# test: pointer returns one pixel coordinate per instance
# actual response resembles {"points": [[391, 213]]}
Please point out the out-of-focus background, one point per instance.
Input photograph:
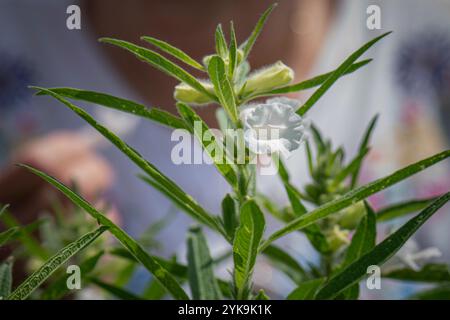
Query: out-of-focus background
{"points": [[407, 83]]}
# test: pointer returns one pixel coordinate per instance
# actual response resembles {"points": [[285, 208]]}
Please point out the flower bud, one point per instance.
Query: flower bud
{"points": [[268, 78], [187, 94], [349, 217]]}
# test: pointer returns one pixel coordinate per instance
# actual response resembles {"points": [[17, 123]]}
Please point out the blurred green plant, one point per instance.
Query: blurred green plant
{"points": [[327, 210]]}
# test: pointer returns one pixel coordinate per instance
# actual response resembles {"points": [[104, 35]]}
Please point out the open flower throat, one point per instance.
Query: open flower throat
{"points": [[273, 126]]}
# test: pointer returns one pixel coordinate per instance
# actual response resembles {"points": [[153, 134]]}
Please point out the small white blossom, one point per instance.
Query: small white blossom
{"points": [[411, 256], [273, 126]]}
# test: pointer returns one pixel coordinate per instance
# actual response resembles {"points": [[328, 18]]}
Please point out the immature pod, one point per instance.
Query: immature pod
{"points": [[268, 78], [189, 95], [349, 217]]}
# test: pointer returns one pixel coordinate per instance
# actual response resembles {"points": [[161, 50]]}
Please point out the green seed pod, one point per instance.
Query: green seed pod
{"points": [[268, 78], [349, 217], [187, 94]]}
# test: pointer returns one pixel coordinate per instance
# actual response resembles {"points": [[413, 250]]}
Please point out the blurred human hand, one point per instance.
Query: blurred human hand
{"points": [[66, 155]]}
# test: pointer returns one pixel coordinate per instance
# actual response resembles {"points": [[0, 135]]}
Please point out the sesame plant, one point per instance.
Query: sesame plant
{"points": [[256, 123]]}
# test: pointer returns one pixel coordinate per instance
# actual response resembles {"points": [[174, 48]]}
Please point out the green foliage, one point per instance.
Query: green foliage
{"points": [[326, 210], [50, 266], [200, 268], [379, 254], [5, 278], [245, 246]]}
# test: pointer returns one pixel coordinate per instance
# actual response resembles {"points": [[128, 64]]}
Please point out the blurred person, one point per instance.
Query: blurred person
{"points": [[407, 84]]}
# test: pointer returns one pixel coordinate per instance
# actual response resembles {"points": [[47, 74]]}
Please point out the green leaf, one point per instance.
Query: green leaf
{"points": [[222, 86], [284, 262], [114, 290], [262, 295], [200, 268], [160, 63], [356, 195], [380, 254], [209, 141], [229, 216], [154, 291], [313, 232], [306, 290], [182, 204], [52, 264], [362, 147], [364, 238], [221, 43], [124, 105], [336, 75], [195, 210], [177, 269], [3, 209], [23, 234], [351, 168], [245, 247], [58, 288], [174, 52], [232, 52], [441, 292], [133, 247], [248, 44], [308, 84], [5, 236], [5, 278], [432, 272], [401, 209]]}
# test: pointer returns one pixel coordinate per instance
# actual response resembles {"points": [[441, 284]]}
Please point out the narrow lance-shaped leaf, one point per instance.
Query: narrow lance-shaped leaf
{"points": [[352, 167], [222, 86], [380, 254], [5, 278], [196, 211], [313, 232], [441, 292], [432, 272], [160, 63], [3, 209], [308, 84], [363, 146], [245, 247], [232, 52], [356, 195], [221, 43], [51, 265], [211, 145], [337, 74], [306, 290], [200, 268], [164, 277], [229, 216], [58, 288], [284, 262], [364, 238], [5, 236], [114, 290], [403, 208], [181, 203], [173, 51], [124, 105], [18, 231], [248, 44]]}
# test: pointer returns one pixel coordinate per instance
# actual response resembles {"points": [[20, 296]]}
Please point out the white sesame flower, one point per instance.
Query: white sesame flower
{"points": [[411, 256], [273, 126]]}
